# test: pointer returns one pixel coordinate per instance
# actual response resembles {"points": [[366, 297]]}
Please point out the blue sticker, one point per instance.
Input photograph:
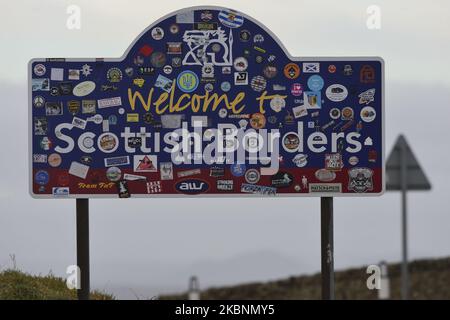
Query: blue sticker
{"points": [[315, 83], [231, 19], [41, 177], [238, 169], [187, 81]]}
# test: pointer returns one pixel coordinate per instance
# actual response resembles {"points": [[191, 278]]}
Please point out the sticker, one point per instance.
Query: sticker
{"points": [[86, 70], [331, 68], [56, 74], [73, 106], [367, 96], [225, 185], [41, 177], [53, 108], [192, 186], [282, 180], [291, 142], [113, 174], [277, 103], [335, 113], [85, 159], [240, 64], [270, 71], [315, 83], [325, 187], [39, 158], [79, 123], [133, 177], [368, 114], [299, 111], [187, 81], [132, 117], [225, 86], [353, 160], [109, 102], [40, 126], [167, 69], [174, 47], [87, 142], [174, 29], [261, 190], [164, 83], [38, 101], [114, 75], [157, 33], [348, 70], [258, 83], [166, 169], [171, 121], [360, 180], [154, 187], [325, 175], [244, 35], [336, 92], [39, 69], [252, 176], [158, 59], [108, 142], [78, 170], [291, 71], [241, 78], [258, 38], [61, 191], [333, 161], [185, 17], [368, 141], [311, 67], [237, 169], [187, 173], [347, 113], [88, 106], [42, 84], [312, 99], [122, 189], [54, 160], [367, 74], [145, 163], [258, 121], [300, 160], [216, 172], [84, 88], [230, 18], [297, 89]]}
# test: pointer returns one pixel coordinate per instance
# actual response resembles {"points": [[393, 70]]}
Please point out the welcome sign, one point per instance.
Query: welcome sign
{"points": [[206, 101]]}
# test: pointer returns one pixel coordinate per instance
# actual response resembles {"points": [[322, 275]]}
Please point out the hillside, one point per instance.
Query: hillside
{"points": [[16, 285], [430, 279]]}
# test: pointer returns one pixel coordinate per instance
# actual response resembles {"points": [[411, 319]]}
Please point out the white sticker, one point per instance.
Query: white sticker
{"points": [[78, 170], [84, 88], [57, 74]]}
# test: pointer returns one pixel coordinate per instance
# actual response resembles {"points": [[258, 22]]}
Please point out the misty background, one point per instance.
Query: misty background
{"points": [[144, 247]]}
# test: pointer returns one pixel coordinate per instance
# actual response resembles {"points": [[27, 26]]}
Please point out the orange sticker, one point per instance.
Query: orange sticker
{"points": [[292, 71]]}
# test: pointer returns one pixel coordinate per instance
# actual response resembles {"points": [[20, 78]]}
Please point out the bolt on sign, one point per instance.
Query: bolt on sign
{"points": [[206, 101]]}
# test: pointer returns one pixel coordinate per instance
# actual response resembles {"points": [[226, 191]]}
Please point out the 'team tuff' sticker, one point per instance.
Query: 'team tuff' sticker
{"points": [[206, 102]]}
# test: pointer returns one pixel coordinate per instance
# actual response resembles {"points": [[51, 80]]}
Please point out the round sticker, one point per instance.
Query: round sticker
{"points": [[368, 114], [121, 110], [223, 113], [335, 113], [331, 68], [252, 176], [84, 88], [244, 35], [157, 33], [88, 142], [353, 160], [167, 69], [41, 177], [237, 169], [315, 83], [174, 29], [300, 160], [112, 119], [54, 160], [277, 103], [114, 75], [39, 69], [38, 101], [336, 92], [108, 142], [187, 81], [240, 64], [291, 71], [347, 113], [291, 141], [325, 175], [258, 83], [113, 174], [258, 121], [225, 86]]}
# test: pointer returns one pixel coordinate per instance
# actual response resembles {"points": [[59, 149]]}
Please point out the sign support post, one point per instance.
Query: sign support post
{"points": [[83, 248], [327, 248], [404, 187]]}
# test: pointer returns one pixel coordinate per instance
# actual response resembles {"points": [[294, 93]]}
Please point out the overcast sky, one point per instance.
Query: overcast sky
{"points": [[151, 246]]}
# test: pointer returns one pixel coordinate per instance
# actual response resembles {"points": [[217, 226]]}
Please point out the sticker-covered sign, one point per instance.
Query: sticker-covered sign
{"points": [[206, 101]]}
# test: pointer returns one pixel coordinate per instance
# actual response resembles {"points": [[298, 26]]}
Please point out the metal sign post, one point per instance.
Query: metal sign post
{"points": [[83, 248], [327, 248], [404, 173]]}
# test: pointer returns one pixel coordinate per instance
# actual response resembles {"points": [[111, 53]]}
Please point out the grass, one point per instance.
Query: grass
{"points": [[17, 285]]}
